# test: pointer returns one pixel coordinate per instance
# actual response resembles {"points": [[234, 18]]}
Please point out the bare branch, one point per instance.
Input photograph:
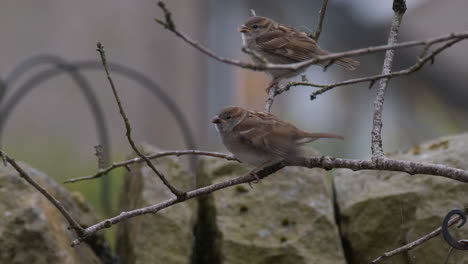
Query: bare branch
{"points": [[415, 243], [256, 55], [372, 79], [327, 163], [167, 16], [322, 11], [271, 96], [73, 223], [128, 128], [399, 8], [305, 64], [414, 68], [191, 194], [125, 163], [409, 167]]}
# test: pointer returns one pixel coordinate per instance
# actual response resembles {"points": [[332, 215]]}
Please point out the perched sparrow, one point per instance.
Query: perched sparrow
{"points": [[257, 137], [281, 44]]}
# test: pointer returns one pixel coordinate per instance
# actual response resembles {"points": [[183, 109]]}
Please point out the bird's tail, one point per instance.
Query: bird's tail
{"points": [[347, 63], [314, 136]]}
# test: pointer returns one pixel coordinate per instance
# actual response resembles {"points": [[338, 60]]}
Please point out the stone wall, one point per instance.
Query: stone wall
{"points": [[297, 215]]}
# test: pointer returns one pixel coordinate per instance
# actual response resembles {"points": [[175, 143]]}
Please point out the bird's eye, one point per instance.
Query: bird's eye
{"points": [[228, 117], [255, 26]]}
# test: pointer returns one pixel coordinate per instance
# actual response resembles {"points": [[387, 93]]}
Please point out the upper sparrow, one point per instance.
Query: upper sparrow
{"points": [[257, 137], [281, 44]]}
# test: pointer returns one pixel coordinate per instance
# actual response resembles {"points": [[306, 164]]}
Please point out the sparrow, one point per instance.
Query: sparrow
{"points": [[281, 44], [258, 138]]}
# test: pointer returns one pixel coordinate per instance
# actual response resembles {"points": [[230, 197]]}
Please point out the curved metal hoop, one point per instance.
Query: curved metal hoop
{"points": [[61, 66], [154, 88], [93, 65], [458, 244], [73, 69]]}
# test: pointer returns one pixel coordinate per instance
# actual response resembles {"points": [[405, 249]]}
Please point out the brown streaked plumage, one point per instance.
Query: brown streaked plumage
{"points": [[257, 137], [281, 44]]}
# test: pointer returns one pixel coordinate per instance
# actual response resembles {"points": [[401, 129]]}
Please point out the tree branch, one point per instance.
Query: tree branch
{"points": [[128, 128], [422, 60], [169, 24], [399, 8], [305, 64], [125, 163], [325, 162], [272, 92], [73, 223], [318, 29]]}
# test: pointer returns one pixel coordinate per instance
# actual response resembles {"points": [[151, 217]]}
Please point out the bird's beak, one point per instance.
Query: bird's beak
{"points": [[244, 29], [216, 120]]}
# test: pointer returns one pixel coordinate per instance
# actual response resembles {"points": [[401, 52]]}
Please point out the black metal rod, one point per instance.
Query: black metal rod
{"points": [[462, 244], [74, 69], [61, 66]]}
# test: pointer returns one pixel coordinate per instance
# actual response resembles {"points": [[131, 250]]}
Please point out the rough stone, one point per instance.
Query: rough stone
{"points": [[381, 211], [32, 230], [165, 237], [287, 217]]}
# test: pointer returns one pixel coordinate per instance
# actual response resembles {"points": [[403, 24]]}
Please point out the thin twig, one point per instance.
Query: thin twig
{"points": [[261, 59], [167, 16], [125, 163], [413, 68], [305, 64], [327, 163], [318, 29], [128, 128], [399, 8], [73, 223], [372, 79], [415, 243]]}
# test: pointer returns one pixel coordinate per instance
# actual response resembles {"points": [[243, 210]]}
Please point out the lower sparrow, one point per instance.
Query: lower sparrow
{"points": [[281, 44], [258, 138]]}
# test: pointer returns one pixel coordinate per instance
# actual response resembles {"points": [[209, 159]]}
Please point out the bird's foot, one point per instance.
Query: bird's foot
{"points": [[253, 173]]}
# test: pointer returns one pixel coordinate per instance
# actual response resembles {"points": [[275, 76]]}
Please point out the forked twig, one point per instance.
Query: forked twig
{"points": [[128, 128]]}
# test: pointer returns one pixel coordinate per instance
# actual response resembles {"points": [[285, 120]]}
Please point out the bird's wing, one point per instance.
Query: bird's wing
{"points": [[289, 43], [265, 132]]}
